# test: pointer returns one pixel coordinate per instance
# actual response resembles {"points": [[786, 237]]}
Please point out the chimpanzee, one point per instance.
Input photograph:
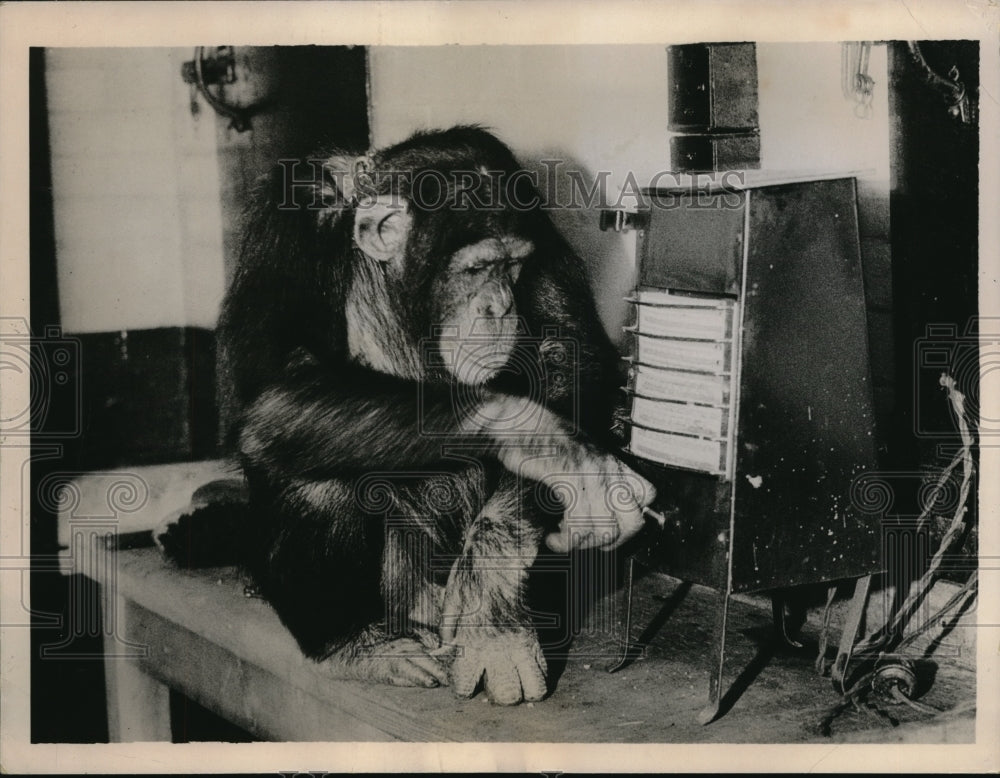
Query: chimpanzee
{"points": [[415, 350]]}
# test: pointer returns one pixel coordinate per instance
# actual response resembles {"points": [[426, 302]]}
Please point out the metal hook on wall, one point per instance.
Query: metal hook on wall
{"points": [[220, 69]]}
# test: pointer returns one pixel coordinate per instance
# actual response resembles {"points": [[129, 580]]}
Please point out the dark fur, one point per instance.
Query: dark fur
{"points": [[315, 426]]}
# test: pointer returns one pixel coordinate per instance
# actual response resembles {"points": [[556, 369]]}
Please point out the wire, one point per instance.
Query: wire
{"points": [[898, 696], [964, 595], [921, 588]]}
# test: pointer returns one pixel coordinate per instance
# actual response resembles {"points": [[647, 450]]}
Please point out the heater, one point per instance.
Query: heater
{"points": [[750, 387]]}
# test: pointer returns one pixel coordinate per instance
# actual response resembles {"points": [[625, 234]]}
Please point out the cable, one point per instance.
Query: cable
{"points": [[898, 696], [920, 588], [894, 676]]}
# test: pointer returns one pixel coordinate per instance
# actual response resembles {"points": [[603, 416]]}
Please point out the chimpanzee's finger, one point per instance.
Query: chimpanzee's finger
{"points": [[465, 675]]}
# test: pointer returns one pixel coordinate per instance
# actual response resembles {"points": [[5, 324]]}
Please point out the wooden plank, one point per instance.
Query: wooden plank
{"points": [[231, 654], [258, 700], [138, 704]]}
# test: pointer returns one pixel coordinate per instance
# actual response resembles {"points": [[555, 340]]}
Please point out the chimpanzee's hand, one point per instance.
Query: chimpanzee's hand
{"points": [[603, 505]]}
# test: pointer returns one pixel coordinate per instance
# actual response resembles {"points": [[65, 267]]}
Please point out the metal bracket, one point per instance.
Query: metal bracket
{"points": [[218, 69], [781, 623], [628, 648], [849, 636], [622, 221]]}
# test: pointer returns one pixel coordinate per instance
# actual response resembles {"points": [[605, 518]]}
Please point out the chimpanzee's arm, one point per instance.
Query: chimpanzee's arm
{"points": [[317, 424], [314, 423]]}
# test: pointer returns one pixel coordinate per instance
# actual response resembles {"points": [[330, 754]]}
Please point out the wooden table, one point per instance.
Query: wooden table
{"points": [[196, 632]]}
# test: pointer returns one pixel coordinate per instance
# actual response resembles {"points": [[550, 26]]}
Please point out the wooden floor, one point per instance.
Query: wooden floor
{"points": [[181, 618]]}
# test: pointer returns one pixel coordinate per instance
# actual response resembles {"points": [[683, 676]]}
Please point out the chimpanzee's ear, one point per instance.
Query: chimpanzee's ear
{"points": [[381, 227], [381, 222]]}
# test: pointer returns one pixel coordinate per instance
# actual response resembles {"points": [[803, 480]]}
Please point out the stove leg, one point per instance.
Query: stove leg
{"points": [[627, 649], [781, 622], [710, 711], [850, 634]]}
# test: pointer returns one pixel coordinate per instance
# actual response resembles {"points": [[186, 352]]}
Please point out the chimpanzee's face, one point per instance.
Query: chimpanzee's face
{"points": [[451, 276], [475, 306]]}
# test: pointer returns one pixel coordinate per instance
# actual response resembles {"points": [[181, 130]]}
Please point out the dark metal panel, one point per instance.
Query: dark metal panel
{"points": [[690, 102], [806, 421], [703, 153], [693, 241], [693, 544], [713, 87], [734, 86]]}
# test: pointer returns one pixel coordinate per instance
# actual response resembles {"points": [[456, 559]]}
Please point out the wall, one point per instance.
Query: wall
{"points": [[805, 120], [135, 191]]}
